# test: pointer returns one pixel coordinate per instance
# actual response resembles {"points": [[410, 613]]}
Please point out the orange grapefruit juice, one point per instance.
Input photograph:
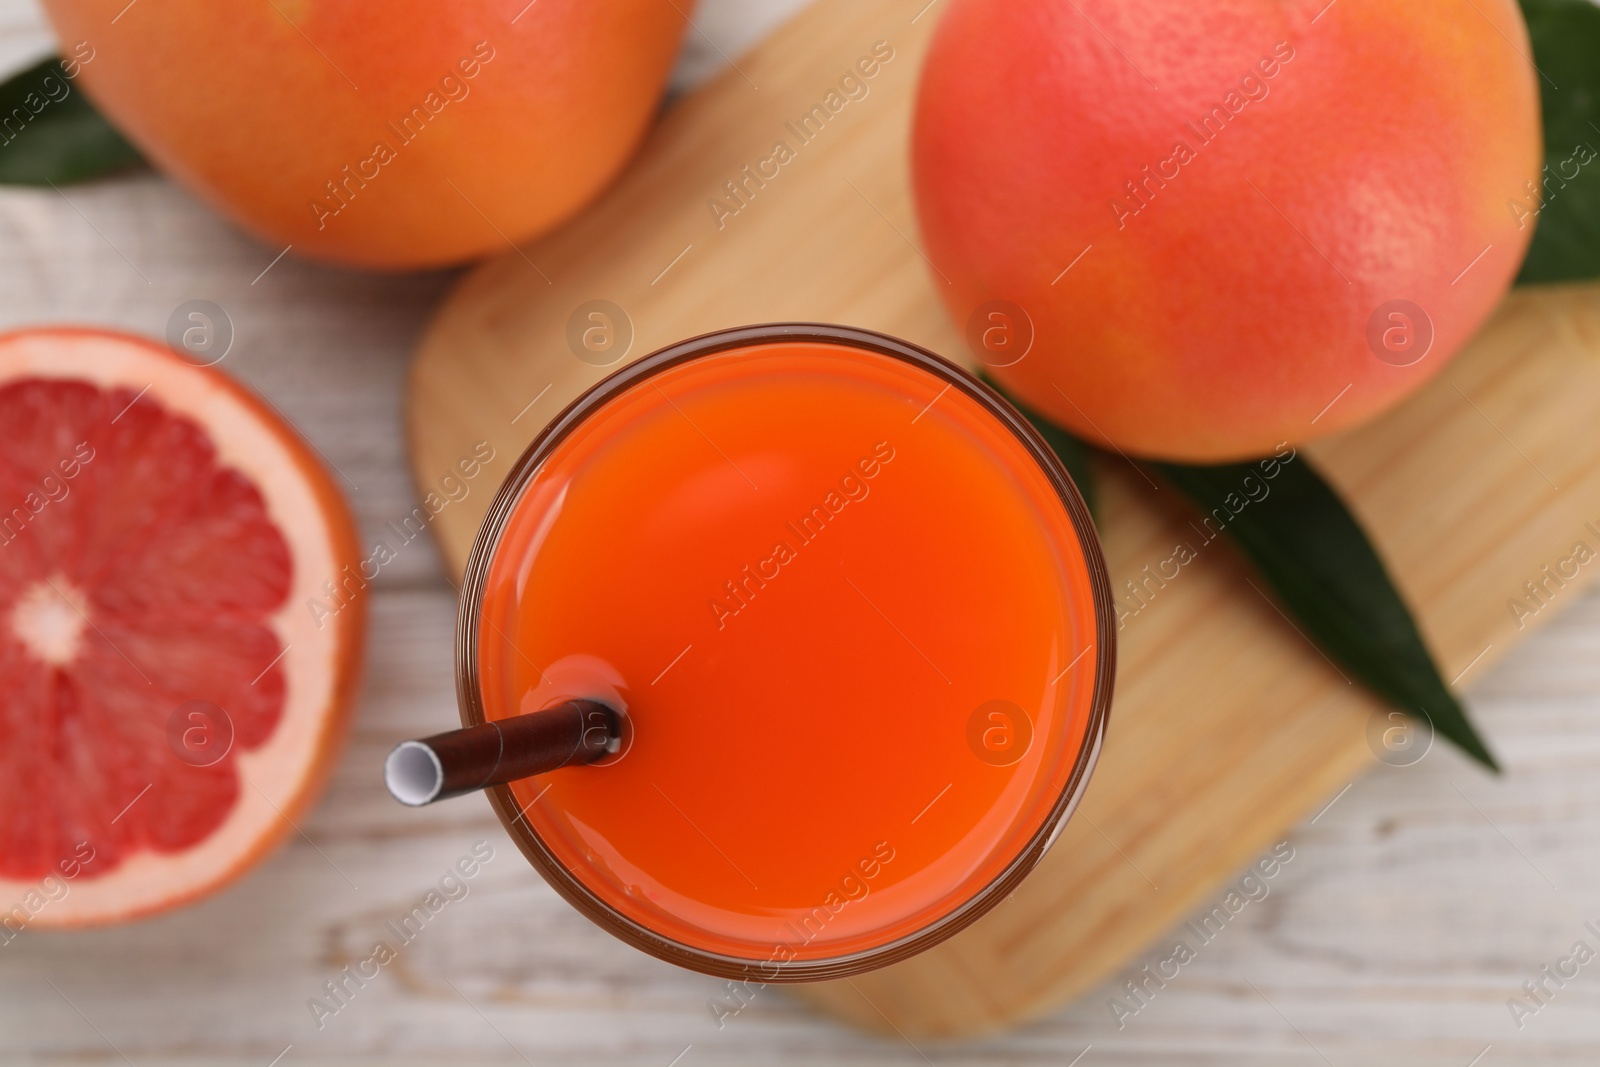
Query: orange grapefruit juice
{"points": [[851, 624]]}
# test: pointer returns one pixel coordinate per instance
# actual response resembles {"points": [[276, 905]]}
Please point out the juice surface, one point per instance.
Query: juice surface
{"points": [[851, 626]]}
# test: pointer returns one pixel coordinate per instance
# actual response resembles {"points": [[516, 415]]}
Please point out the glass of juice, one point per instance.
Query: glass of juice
{"points": [[853, 621]]}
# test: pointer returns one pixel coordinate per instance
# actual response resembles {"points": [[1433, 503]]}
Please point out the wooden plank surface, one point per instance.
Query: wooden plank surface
{"points": [[1228, 726], [1409, 915]]}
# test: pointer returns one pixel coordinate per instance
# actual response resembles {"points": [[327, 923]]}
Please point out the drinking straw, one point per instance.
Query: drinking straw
{"points": [[500, 751]]}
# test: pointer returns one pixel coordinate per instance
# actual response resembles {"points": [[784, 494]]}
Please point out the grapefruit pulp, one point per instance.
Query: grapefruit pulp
{"points": [[171, 706]]}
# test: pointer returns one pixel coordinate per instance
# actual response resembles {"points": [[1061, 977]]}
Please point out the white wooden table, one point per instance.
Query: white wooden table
{"points": [[1415, 907]]}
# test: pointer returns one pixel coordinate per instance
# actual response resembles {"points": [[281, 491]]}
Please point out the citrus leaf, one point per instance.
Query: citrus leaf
{"points": [[50, 133], [1314, 555], [1317, 560], [1073, 453], [1566, 51]]}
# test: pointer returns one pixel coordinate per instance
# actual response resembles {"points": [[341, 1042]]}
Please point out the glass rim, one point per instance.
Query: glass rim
{"points": [[590, 903]]}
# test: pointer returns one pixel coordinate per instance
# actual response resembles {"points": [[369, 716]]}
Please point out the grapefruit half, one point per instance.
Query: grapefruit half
{"points": [[175, 680]]}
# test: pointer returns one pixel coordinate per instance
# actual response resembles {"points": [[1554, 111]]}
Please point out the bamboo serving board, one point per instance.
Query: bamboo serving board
{"points": [[1228, 727]]}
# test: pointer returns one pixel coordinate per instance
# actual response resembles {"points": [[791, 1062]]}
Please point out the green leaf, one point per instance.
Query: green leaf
{"points": [[1324, 571], [1314, 555], [1073, 453], [1566, 50], [50, 133]]}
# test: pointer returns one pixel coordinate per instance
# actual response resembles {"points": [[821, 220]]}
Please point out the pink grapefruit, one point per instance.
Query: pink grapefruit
{"points": [[172, 705]]}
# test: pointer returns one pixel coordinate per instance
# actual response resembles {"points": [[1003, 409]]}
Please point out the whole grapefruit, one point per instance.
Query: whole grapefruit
{"points": [[181, 622], [1193, 230], [381, 134]]}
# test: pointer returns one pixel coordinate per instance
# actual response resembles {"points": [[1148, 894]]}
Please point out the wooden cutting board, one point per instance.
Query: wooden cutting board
{"points": [[1228, 727]]}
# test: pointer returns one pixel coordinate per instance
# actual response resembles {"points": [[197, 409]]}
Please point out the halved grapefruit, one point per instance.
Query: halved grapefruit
{"points": [[175, 681]]}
